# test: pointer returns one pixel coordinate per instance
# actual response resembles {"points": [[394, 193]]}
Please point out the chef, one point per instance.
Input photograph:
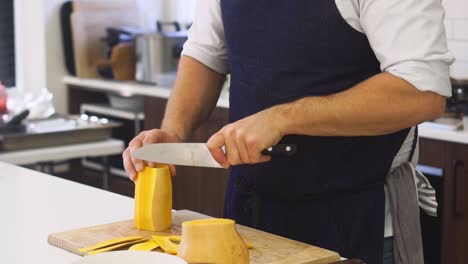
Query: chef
{"points": [[346, 81]]}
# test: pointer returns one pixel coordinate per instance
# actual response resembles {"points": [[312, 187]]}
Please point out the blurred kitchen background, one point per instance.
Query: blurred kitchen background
{"points": [[81, 78]]}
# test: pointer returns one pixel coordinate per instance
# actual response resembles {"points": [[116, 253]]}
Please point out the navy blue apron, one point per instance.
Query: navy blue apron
{"points": [[331, 192]]}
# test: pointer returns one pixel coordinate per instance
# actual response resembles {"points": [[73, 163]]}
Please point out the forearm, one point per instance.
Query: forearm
{"points": [[193, 98], [381, 105]]}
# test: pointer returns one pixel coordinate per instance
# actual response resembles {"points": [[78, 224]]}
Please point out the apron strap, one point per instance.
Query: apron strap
{"points": [[415, 143], [425, 192]]}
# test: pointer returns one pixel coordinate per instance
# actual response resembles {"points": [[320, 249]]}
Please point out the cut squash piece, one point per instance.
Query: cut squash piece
{"points": [[146, 246], [175, 238], [110, 242], [212, 241], [167, 244], [117, 246], [153, 199]]}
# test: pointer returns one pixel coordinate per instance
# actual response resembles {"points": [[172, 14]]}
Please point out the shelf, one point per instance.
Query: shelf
{"points": [[110, 111]]}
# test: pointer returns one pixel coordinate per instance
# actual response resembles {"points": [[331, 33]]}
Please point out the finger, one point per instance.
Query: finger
{"points": [[152, 137], [242, 148], [231, 149], [254, 152], [215, 144], [128, 165], [139, 165], [173, 170], [135, 144], [264, 158]]}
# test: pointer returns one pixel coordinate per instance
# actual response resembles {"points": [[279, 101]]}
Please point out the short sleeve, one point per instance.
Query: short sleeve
{"points": [[409, 39], [206, 42]]}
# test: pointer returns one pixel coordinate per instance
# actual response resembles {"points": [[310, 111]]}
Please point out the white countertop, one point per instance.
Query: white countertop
{"points": [[459, 136], [33, 205], [132, 88]]}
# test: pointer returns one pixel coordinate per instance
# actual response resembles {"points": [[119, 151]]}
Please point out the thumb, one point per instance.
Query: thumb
{"points": [[215, 145]]}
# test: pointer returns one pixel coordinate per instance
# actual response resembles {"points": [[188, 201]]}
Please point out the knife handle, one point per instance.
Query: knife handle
{"points": [[281, 150]]}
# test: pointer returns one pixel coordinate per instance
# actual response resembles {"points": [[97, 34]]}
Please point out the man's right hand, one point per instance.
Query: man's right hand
{"points": [[133, 166]]}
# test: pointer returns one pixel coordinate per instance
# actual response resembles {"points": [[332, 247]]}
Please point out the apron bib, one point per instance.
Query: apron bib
{"points": [[331, 192]]}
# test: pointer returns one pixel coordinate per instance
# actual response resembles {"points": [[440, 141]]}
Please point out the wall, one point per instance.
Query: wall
{"points": [[55, 68], [457, 33], [39, 52], [30, 45], [180, 10]]}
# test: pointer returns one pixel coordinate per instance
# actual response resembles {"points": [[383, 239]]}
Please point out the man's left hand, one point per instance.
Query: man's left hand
{"points": [[245, 139]]}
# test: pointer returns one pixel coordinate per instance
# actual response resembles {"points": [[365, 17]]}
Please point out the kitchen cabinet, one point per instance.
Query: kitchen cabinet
{"points": [[452, 158], [197, 189]]}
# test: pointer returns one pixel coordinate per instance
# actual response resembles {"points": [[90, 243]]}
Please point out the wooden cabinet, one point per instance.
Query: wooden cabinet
{"points": [[453, 159], [455, 219]]}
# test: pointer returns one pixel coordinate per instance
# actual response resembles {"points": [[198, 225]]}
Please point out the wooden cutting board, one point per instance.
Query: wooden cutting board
{"points": [[268, 248]]}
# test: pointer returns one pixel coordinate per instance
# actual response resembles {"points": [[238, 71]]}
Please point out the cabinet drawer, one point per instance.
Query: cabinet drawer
{"points": [[432, 153]]}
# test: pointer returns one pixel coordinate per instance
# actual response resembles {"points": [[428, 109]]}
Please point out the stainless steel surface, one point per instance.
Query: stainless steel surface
{"points": [[132, 103], [156, 54], [57, 131], [185, 154]]}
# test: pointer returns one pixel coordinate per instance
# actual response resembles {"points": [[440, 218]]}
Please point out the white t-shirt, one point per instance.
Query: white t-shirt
{"points": [[407, 36]]}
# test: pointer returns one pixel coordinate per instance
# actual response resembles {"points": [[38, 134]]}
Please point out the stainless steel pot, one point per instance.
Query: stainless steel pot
{"points": [[157, 54]]}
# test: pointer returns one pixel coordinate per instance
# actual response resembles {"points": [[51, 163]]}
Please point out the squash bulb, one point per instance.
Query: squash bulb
{"points": [[153, 199], [212, 241]]}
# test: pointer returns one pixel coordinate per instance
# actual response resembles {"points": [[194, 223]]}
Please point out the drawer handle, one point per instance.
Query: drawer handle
{"points": [[457, 188]]}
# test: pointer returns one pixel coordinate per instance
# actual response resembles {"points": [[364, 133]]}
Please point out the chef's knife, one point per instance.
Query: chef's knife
{"points": [[194, 154]]}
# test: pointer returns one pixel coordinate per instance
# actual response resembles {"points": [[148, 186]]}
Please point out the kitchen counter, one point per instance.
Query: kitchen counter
{"points": [[132, 88], [459, 136], [33, 205]]}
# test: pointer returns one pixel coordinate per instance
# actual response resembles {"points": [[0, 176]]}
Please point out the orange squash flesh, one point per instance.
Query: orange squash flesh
{"points": [[153, 199], [212, 241]]}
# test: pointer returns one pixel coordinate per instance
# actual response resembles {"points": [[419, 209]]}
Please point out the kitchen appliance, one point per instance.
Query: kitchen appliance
{"points": [[158, 54], [458, 103], [194, 154], [14, 124], [267, 248]]}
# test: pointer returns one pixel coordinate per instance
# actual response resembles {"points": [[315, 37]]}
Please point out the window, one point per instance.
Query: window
{"points": [[7, 43]]}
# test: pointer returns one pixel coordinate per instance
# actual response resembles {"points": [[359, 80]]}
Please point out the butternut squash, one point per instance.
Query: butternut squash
{"points": [[117, 246], [110, 242], [166, 243], [212, 241], [145, 246], [153, 199]]}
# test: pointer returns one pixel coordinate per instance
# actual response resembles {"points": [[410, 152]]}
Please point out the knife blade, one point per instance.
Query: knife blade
{"points": [[194, 154], [185, 154]]}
